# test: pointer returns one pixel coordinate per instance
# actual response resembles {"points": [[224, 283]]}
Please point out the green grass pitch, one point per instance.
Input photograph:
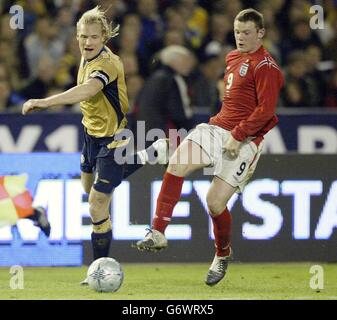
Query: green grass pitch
{"points": [[178, 281]]}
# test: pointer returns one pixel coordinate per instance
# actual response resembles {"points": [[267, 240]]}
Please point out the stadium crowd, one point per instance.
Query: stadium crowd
{"points": [[43, 57]]}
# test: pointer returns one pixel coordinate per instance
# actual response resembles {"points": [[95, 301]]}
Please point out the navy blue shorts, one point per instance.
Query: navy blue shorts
{"points": [[96, 158]]}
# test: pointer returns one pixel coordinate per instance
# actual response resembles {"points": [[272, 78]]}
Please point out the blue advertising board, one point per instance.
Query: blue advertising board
{"points": [[23, 244], [288, 212]]}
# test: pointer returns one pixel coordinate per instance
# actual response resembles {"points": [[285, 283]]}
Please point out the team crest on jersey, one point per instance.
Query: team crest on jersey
{"points": [[243, 69]]}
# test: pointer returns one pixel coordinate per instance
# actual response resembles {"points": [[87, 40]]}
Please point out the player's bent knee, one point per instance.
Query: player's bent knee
{"points": [[98, 198], [98, 205], [215, 206], [214, 211]]}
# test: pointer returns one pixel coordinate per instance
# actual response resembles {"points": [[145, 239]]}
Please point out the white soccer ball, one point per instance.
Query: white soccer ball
{"points": [[105, 275]]}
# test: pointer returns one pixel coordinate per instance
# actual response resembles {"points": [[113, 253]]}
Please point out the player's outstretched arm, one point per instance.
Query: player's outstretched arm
{"points": [[76, 94]]}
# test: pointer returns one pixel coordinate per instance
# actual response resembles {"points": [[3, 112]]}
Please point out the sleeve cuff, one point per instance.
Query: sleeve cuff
{"points": [[238, 134]]}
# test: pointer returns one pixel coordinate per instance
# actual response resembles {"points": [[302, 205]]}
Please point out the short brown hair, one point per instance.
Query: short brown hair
{"points": [[251, 15]]}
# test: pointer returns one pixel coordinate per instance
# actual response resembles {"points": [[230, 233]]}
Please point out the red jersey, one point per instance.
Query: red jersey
{"points": [[252, 86]]}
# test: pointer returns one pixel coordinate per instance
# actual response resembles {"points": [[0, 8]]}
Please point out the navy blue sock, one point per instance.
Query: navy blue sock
{"points": [[101, 244]]}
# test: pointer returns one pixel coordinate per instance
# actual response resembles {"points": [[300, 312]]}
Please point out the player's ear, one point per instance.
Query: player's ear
{"points": [[261, 33]]}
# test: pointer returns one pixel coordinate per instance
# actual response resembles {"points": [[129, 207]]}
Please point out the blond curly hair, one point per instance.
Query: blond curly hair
{"points": [[97, 15]]}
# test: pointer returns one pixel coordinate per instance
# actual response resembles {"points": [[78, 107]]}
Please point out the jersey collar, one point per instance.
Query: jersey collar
{"points": [[103, 49], [257, 52]]}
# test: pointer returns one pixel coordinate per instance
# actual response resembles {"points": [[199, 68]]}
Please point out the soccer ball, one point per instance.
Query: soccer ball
{"points": [[105, 275]]}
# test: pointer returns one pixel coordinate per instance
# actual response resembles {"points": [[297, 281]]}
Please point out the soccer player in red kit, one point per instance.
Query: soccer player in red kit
{"points": [[231, 142]]}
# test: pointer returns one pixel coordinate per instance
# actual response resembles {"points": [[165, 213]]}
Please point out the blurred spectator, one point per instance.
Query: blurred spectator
{"points": [[173, 37], [231, 8], [220, 32], [330, 51], [272, 37], [128, 41], [298, 10], [296, 90], [8, 57], [174, 20], [33, 10], [196, 21], [9, 99], [164, 102], [300, 38], [132, 22], [279, 8], [43, 42], [43, 81], [9, 45], [66, 74], [151, 31], [272, 42], [130, 63], [112, 8], [331, 96], [148, 26], [5, 94], [13, 54], [268, 12], [293, 95], [315, 78], [7, 32], [65, 24], [3, 6], [204, 84], [134, 84]]}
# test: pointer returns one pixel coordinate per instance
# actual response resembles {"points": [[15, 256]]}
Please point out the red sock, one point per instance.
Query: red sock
{"points": [[222, 225], [168, 197]]}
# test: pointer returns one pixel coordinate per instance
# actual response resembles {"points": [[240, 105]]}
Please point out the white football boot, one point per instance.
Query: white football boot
{"points": [[218, 269], [153, 241]]}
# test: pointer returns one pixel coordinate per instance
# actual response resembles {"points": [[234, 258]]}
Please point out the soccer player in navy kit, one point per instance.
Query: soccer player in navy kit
{"points": [[102, 93], [231, 142]]}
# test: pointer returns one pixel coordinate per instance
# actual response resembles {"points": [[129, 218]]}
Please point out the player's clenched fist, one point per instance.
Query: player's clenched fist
{"points": [[232, 147], [32, 104]]}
